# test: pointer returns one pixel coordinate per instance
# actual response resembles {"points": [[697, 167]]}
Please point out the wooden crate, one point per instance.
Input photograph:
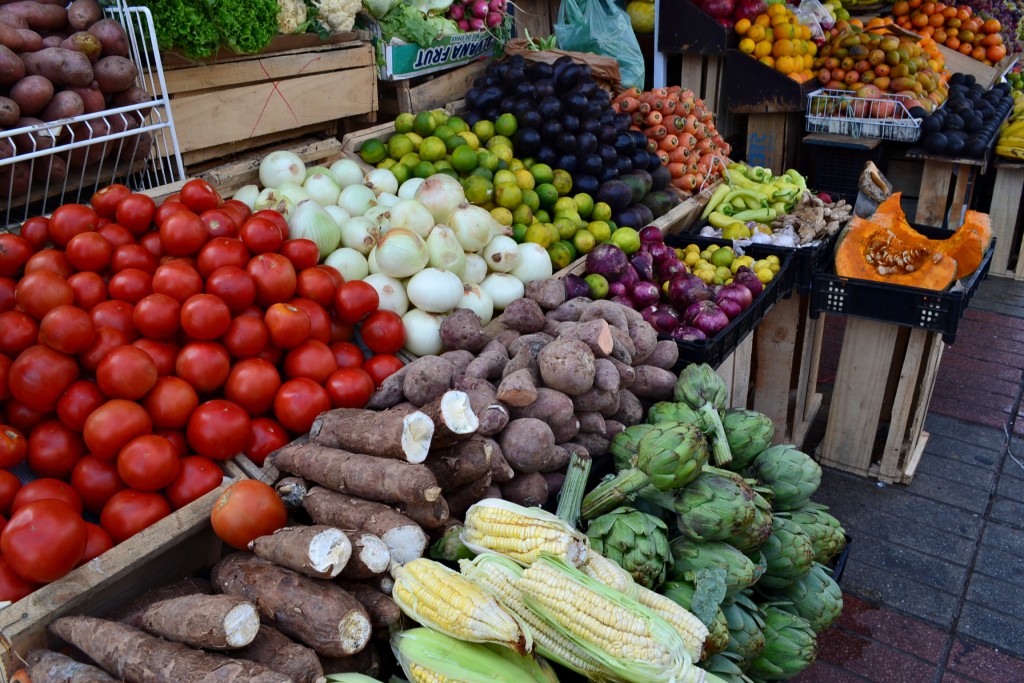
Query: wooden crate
{"points": [[936, 205], [241, 102], [536, 16], [1008, 258], [432, 91], [880, 400], [705, 76], [173, 548], [351, 142], [773, 140]]}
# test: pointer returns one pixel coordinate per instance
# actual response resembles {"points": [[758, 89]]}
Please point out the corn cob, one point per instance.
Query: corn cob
{"points": [[446, 601], [629, 640], [522, 533], [429, 656], [609, 573], [497, 575], [691, 629]]}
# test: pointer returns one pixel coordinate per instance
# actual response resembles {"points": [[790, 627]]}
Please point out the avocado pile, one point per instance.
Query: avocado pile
{"points": [[968, 122]]}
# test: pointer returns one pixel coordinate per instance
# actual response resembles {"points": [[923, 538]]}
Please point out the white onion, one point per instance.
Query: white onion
{"points": [[347, 172], [423, 332], [282, 166], [409, 187], [247, 194], [390, 291], [440, 193], [357, 199], [409, 213], [501, 254], [309, 221], [313, 170], [349, 262], [381, 217], [474, 226], [534, 263], [475, 270], [445, 251], [433, 290], [322, 188], [339, 214], [387, 200], [401, 253], [371, 261], [478, 301], [381, 180], [503, 289], [359, 233], [294, 192], [270, 198]]}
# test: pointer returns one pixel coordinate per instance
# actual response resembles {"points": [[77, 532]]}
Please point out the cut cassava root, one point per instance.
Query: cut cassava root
{"points": [[453, 418], [211, 622], [318, 551]]}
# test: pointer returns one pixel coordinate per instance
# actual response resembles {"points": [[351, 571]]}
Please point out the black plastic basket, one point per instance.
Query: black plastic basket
{"points": [[907, 306], [714, 350], [838, 563]]}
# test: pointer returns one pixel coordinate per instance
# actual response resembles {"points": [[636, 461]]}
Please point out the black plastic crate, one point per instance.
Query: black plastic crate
{"points": [[716, 349], [837, 161], [906, 306], [838, 563]]}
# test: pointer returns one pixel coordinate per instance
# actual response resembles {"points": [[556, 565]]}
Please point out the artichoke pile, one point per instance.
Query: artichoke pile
{"points": [[708, 512]]}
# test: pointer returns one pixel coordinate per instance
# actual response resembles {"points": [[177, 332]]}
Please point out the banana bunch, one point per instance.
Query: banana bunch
{"points": [[1011, 133]]}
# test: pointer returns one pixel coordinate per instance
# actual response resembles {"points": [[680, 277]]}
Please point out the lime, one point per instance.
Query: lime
{"points": [[503, 152], [539, 233], [502, 164], [600, 230], [566, 228], [737, 230], [432, 149], [522, 214], [562, 182], [401, 172], [561, 254], [372, 151], [584, 241], [517, 165], [471, 139], [627, 239], [416, 140], [528, 162], [387, 163], [722, 274], [481, 172], [532, 200], [489, 206], [399, 145], [424, 169], [502, 215], [410, 159], [598, 285], [440, 116], [547, 193], [487, 159], [479, 190], [722, 257], [506, 125], [404, 122], [484, 130], [449, 172], [457, 124], [584, 204], [442, 164], [424, 123], [507, 195], [498, 140], [542, 174], [612, 224], [519, 232], [443, 132], [505, 176], [541, 215], [455, 141], [564, 205], [601, 212], [464, 159]]}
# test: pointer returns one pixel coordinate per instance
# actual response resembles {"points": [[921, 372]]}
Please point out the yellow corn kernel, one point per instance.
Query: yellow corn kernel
{"points": [[429, 656], [690, 628], [522, 533], [609, 573], [421, 674]]}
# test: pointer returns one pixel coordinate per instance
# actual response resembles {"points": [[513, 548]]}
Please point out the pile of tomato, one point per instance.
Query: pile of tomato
{"points": [[140, 344]]}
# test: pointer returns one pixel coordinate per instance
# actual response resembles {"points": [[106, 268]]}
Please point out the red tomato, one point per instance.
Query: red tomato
{"points": [[196, 477], [170, 403], [355, 301], [39, 375], [262, 235], [5, 369], [347, 355], [37, 231], [239, 210], [317, 284], [274, 276], [127, 372], [15, 252], [129, 511], [105, 200], [89, 289], [199, 195], [319, 319], [13, 447], [246, 337], [349, 388], [163, 353], [18, 331], [44, 540], [150, 241], [204, 365], [69, 220], [204, 317], [177, 280], [136, 212], [89, 251], [117, 235], [383, 332], [157, 316], [218, 429], [298, 402], [9, 487], [78, 402], [382, 366], [182, 234], [54, 449], [13, 587], [41, 291], [176, 437], [97, 542], [168, 207], [276, 218], [45, 488], [252, 384], [312, 359], [96, 480], [221, 251], [131, 285], [302, 253], [148, 463], [116, 314], [245, 511], [67, 329], [233, 286], [7, 286], [106, 340], [266, 437], [114, 424], [52, 260], [21, 417], [288, 325], [219, 223], [132, 256]]}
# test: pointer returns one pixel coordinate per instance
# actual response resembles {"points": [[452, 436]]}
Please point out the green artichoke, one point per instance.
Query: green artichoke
{"points": [[700, 387], [689, 556], [788, 553], [760, 564], [715, 506], [636, 541], [681, 593], [746, 621], [790, 646], [791, 475], [815, 597], [826, 533], [672, 411], [748, 433], [726, 667], [751, 537], [623, 445]]}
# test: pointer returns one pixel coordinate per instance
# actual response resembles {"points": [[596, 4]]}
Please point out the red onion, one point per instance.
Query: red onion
{"points": [[660, 252], [643, 264], [738, 293], [617, 289], [719, 9], [748, 278], [730, 307], [629, 277], [647, 313], [687, 333], [687, 289], [607, 260], [665, 320], [644, 294], [748, 9], [706, 317], [624, 300], [575, 286], [651, 234], [670, 268]]}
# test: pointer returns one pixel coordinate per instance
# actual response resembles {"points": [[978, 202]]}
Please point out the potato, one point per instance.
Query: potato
{"points": [[38, 16], [12, 20], [31, 141], [113, 37], [133, 96], [53, 40], [51, 168], [9, 112], [84, 42], [115, 74], [84, 13], [15, 179], [92, 98], [12, 68], [90, 154], [32, 94], [64, 105], [32, 41], [10, 38], [6, 148], [568, 366], [62, 67]]}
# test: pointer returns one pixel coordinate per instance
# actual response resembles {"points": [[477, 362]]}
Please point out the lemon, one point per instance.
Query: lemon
{"points": [[471, 139], [627, 239], [564, 204], [532, 200], [478, 189], [691, 259], [503, 152], [506, 125], [399, 145], [540, 233], [424, 169], [565, 227], [457, 124], [505, 176], [523, 177], [482, 172], [508, 195], [372, 151], [601, 231], [737, 230], [584, 241], [522, 214], [464, 159], [722, 273], [415, 139], [410, 159], [487, 159], [547, 193], [502, 215], [765, 275], [562, 182], [484, 130], [387, 163], [707, 275], [404, 122], [542, 174], [424, 124], [601, 212], [432, 149]]}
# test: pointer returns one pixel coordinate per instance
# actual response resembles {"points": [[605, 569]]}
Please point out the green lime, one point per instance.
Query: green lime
{"points": [[487, 159], [561, 254], [505, 176], [584, 204], [443, 132], [508, 195], [471, 139], [542, 215], [502, 215], [564, 205], [566, 228], [539, 233], [519, 232], [522, 214], [416, 140], [532, 200], [547, 193], [612, 224], [503, 165], [542, 174], [627, 239], [503, 152], [410, 159], [449, 172], [440, 115], [722, 275], [482, 172], [600, 230], [399, 145], [401, 172], [722, 257], [562, 182], [404, 122], [479, 190], [584, 241], [372, 151], [498, 140], [386, 163], [432, 149], [528, 162], [424, 123], [457, 124], [506, 125], [517, 165], [464, 159], [598, 285], [424, 169], [484, 130], [454, 141], [442, 164], [601, 212]]}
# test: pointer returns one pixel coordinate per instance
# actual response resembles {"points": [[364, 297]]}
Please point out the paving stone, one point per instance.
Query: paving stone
{"points": [[959, 451], [997, 418], [950, 492], [1013, 465], [929, 569], [1002, 378], [1009, 511], [898, 592], [983, 663], [1004, 538], [978, 435], [823, 672], [992, 594], [974, 476], [1011, 488], [956, 678], [892, 628], [1000, 565], [873, 660], [993, 627]]}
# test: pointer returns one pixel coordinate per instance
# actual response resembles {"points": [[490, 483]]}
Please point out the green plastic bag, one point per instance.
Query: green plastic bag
{"points": [[601, 27]]}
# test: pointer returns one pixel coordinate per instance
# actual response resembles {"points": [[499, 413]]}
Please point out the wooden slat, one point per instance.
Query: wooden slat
{"points": [[739, 392], [770, 141], [903, 403], [1004, 214], [931, 198], [536, 16], [416, 95], [776, 340], [933, 349], [692, 74], [808, 397]]}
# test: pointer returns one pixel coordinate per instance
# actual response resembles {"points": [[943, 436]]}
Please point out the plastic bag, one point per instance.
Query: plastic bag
{"points": [[601, 27]]}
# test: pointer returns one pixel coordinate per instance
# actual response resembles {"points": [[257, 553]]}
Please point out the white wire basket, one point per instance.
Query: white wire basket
{"points": [[67, 160], [841, 112]]}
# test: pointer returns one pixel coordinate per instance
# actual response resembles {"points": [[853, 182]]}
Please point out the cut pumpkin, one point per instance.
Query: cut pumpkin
{"points": [[867, 250]]}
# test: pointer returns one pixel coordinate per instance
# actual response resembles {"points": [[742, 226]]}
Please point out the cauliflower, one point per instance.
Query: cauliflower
{"points": [[337, 15], [292, 17]]}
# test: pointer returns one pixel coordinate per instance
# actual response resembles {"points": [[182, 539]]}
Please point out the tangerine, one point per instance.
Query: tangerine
{"points": [[965, 48], [756, 33], [949, 12], [742, 26], [991, 40], [747, 46], [995, 53], [978, 53], [953, 43], [919, 20], [991, 26], [928, 8], [936, 20], [901, 8]]}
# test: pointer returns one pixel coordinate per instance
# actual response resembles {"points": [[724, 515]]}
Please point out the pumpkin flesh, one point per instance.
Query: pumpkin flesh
{"points": [[871, 251]]}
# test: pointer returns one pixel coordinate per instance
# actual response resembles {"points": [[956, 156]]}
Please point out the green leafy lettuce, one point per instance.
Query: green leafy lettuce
{"points": [[408, 23], [199, 27], [245, 26]]}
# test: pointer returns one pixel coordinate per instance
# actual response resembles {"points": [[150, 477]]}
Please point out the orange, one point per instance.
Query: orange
{"points": [[936, 20], [953, 43], [781, 31], [919, 20], [991, 40], [742, 26], [928, 31], [747, 46], [785, 64], [949, 12], [965, 48], [928, 8], [900, 8], [768, 61], [963, 12], [809, 62], [756, 33], [995, 53], [914, 4], [763, 20], [991, 26], [763, 49], [940, 35], [777, 10], [978, 53]]}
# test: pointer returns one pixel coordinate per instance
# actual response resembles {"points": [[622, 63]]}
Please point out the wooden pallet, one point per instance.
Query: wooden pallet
{"points": [[428, 92], [1008, 258]]}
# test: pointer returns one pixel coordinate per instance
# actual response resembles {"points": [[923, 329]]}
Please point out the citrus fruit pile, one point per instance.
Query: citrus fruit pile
{"points": [[955, 26], [778, 39]]}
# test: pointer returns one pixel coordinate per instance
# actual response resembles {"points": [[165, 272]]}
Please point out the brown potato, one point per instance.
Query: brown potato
{"points": [[90, 154], [113, 37], [84, 13], [85, 42], [31, 141], [12, 68], [38, 16], [32, 93], [132, 96], [51, 168], [10, 38], [53, 40], [92, 98], [64, 105], [33, 42], [15, 179], [9, 112], [12, 20], [115, 74], [6, 148], [62, 67]]}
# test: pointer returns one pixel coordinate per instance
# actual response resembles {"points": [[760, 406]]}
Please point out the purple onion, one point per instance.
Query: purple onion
{"points": [[707, 317], [687, 333], [617, 288], [731, 307], [643, 264], [647, 313], [645, 294], [575, 286], [670, 268], [607, 260], [666, 319], [687, 289], [737, 293], [661, 252], [748, 278], [651, 234], [624, 300], [629, 277]]}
